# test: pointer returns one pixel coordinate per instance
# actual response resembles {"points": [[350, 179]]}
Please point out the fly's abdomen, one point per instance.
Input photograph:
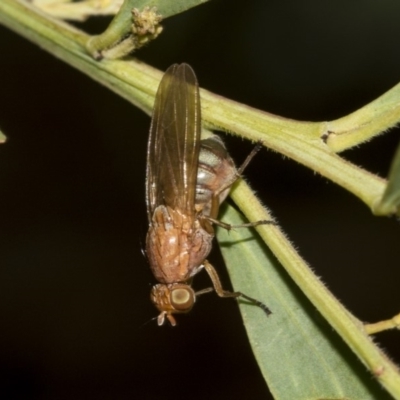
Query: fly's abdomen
{"points": [[215, 174]]}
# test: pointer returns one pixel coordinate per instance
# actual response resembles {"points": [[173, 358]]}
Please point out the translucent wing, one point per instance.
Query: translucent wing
{"points": [[174, 142]]}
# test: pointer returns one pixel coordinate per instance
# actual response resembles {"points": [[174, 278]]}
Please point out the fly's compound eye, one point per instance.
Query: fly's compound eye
{"points": [[182, 298]]}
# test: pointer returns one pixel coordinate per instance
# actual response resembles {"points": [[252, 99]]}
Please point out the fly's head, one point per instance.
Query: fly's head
{"points": [[173, 298]]}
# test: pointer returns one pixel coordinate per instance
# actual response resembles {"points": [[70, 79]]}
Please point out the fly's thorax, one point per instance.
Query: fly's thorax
{"points": [[176, 245], [175, 298], [216, 171]]}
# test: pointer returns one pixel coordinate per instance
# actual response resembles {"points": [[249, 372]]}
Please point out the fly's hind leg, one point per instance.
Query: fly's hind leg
{"points": [[215, 203], [212, 273], [228, 227], [214, 212], [241, 169]]}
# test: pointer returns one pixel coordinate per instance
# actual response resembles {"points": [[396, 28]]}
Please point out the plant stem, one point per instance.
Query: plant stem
{"points": [[138, 82]]}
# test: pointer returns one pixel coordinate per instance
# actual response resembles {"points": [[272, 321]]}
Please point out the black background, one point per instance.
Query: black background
{"points": [[74, 286]]}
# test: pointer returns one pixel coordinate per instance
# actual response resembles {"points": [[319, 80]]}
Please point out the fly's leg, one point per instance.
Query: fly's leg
{"points": [[204, 291], [228, 227], [215, 199], [212, 273], [240, 170], [246, 162]]}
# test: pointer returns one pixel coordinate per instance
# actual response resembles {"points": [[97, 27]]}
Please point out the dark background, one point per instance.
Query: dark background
{"points": [[74, 286]]}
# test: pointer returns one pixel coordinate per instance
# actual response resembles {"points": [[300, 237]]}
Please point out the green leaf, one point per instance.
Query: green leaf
{"points": [[299, 354], [2, 137], [390, 203]]}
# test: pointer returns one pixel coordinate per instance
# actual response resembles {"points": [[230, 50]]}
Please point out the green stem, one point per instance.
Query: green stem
{"points": [[298, 140], [138, 83], [371, 120], [121, 25]]}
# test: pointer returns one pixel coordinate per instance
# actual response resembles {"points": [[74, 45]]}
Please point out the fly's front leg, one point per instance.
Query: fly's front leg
{"points": [[212, 273]]}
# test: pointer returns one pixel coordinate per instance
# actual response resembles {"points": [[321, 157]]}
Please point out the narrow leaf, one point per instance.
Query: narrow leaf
{"points": [[299, 354], [2, 137], [390, 203]]}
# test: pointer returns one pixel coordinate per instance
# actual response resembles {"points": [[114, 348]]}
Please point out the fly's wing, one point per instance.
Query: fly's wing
{"points": [[174, 142]]}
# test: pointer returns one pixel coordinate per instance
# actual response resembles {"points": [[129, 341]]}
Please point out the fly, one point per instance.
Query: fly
{"points": [[187, 179]]}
